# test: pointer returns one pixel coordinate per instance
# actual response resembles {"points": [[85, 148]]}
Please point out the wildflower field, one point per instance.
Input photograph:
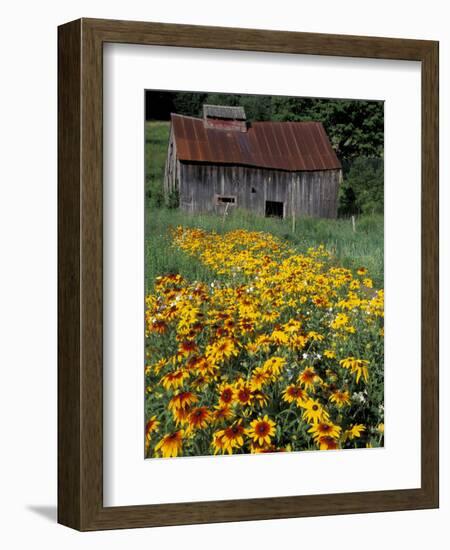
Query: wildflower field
{"points": [[258, 343]]}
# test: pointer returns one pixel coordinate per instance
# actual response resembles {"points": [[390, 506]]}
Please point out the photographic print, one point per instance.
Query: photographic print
{"points": [[264, 278]]}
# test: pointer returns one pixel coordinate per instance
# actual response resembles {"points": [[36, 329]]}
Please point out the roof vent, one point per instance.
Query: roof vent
{"points": [[224, 117]]}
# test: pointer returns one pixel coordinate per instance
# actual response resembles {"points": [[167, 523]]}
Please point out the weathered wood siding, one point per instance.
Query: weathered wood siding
{"points": [[171, 171], [308, 193]]}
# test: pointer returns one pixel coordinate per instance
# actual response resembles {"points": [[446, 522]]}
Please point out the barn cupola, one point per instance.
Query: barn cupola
{"points": [[224, 117]]}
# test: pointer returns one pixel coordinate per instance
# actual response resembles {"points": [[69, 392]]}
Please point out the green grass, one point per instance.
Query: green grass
{"points": [[351, 249], [156, 142]]}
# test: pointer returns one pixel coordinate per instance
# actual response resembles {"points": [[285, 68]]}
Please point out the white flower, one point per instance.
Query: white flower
{"points": [[359, 397], [305, 356]]}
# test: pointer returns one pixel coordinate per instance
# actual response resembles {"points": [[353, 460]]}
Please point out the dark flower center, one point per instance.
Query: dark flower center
{"points": [[226, 395], [244, 395]]}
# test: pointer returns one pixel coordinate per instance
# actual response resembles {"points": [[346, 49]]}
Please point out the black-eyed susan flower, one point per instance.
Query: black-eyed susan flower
{"points": [[358, 366], [324, 429], [222, 413], [226, 394], [261, 430], [150, 427], [340, 321], [243, 392], [260, 377], [231, 437], [221, 350], [274, 365], [355, 431], [308, 378], [313, 411], [298, 341], [171, 444], [314, 335], [260, 398], [182, 400], [327, 443], [368, 282], [292, 326], [157, 325], [199, 418], [175, 379], [218, 443], [187, 347], [263, 342], [294, 394], [354, 285], [279, 337], [340, 398], [181, 415]]}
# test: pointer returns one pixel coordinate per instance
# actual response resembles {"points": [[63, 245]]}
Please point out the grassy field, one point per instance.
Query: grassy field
{"points": [[364, 247]]}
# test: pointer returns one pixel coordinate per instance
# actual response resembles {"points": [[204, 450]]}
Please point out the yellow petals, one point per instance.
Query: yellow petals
{"points": [[261, 430], [355, 431], [171, 444], [358, 366]]}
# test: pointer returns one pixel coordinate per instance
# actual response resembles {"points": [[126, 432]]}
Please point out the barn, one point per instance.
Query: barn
{"points": [[221, 161]]}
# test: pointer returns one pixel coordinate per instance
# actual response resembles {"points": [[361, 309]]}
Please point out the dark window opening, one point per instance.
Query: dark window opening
{"points": [[274, 209], [226, 200], [253, 190]]}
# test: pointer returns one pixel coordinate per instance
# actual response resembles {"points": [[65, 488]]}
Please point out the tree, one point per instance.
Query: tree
{"points": [[363, 187], [355, 127], [189, 103]]}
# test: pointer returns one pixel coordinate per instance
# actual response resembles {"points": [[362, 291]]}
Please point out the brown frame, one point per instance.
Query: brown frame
{"points": [[80, 415]]}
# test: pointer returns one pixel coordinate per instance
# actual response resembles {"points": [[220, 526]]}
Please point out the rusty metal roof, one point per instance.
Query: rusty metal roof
{"points": [[292, 146]]}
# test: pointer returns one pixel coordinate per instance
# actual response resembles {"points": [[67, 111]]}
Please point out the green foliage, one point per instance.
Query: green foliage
{"points": [[363, 187], [189, 103], [355, 127], [173, 200]]}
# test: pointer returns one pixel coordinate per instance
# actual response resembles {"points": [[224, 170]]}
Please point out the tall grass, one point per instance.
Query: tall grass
{"points": [[364, 247]]}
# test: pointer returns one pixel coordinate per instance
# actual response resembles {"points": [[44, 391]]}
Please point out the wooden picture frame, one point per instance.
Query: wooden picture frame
{"points": [[80, 272]]}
